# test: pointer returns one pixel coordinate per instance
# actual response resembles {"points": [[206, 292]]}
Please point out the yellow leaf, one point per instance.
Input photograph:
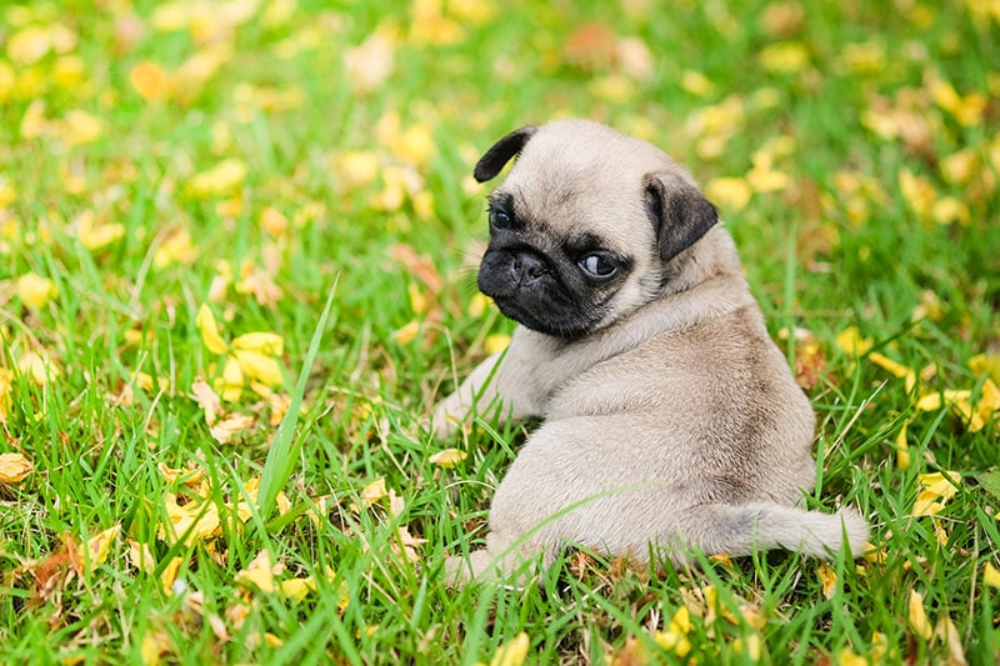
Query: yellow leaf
{"points": [[141, 556], [407, 333], [828, 578], [850, 342], [889, 365], [369, 64], [14, 467], [946, 632], [169, 575], [176, 249], [373, 492], [229, 427], [448, 458], [934, 491], [512, 653], [753, 647], [273, 222], [357, 168], [902, 448], [208, 400], [95, 236], [673, 641], [991, 576], [784, 58], [260, 367], [95, 551], [230, 385], [39, 367], [36, 291], [918, 616], [210, 331], [259, 573], [28, 45], [960, 167], [150, 80], [696, 83], [265, 343], [297, 589], [223, 178], [154, 645], [79, 128], [848, 657], [896, 369]]}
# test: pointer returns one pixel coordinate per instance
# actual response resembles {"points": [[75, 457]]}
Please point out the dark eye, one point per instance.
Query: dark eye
{"points": [[499, 219], [599, 265]]}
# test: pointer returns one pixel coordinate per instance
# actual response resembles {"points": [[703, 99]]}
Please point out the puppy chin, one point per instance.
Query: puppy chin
{"points": [[560, 327]]}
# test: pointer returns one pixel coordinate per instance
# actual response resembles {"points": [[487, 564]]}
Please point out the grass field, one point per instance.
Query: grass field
{"points": [[216, 218]]}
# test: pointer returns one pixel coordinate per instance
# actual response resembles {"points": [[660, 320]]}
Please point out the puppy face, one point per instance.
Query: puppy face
{"points": [[585, 227]]}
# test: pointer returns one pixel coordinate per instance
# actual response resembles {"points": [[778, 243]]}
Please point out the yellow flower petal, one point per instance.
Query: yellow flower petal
{"points": [[260, 367], [784, 58], [150, 80], [230, 385], [373, 492], [918, 616], [223, 178], [36, 291], [902, 448], [210, 331], [169, 575], [95, 551], [991, 576], [448, 458], [297, 589], [512, 653], [141, 556], [850, 342], [14, 468], [828, 578], [259, 573], [265, 343], [894, 368]]}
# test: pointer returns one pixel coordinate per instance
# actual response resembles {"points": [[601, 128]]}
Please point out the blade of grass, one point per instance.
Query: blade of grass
{"points": [[285, 447]]}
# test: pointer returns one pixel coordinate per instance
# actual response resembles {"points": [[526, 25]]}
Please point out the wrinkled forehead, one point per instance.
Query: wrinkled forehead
{"points": [[579, 195]]}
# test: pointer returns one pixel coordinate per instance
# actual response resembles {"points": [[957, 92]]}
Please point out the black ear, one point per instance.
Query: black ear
{"points": [[492, 162], [680, 214]]}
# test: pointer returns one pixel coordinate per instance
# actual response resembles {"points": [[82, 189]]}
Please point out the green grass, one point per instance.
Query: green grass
{"points": [[821, 254]]}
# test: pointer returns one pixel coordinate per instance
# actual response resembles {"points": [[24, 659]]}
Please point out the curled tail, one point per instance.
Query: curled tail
{"points": [[741, 529]]}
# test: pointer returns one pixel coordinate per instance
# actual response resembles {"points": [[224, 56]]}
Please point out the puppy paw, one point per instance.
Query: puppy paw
{"points": [[448, 416], [856, 530]]}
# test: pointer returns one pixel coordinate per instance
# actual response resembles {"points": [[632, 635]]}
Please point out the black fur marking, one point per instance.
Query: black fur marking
{"points": [[493, 161], [680, 216]]}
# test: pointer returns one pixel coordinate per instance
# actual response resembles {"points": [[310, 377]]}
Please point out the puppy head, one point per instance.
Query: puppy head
{"points": [[586, 227]]}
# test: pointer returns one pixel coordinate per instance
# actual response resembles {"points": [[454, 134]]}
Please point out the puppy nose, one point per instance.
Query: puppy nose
{"points": [[527, 267]]}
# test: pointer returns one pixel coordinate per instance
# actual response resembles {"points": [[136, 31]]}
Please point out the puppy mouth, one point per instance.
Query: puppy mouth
{"points": [[527, 288]]}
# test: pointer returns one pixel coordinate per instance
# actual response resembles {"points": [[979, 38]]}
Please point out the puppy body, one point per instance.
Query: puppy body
{"points": [[671, 418]]}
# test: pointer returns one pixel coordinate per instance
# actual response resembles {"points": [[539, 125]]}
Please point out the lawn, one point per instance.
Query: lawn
{"points": [[237, 246]]}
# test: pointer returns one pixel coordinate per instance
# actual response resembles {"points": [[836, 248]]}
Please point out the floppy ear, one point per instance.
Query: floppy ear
{"points": [[680, 214], [492, 162]]}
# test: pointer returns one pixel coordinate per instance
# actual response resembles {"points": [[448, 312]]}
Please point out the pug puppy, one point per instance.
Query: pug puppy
{"points": [[671, 419]]}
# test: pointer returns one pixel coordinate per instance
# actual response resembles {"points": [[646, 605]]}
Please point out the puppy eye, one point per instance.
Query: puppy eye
{"points": [[499, 220], [599, 265]]}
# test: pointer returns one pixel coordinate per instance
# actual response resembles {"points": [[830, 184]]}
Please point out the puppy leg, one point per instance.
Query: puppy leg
{"points": [[497, 561], [520, 378]]}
